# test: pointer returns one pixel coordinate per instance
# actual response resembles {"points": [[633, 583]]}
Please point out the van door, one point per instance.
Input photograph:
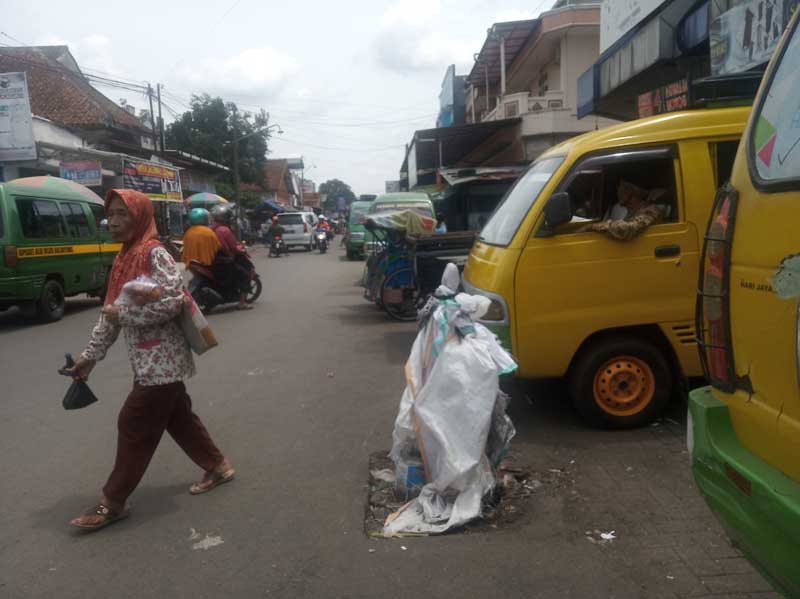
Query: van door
{"points": [[108, 248], [572, 284], [86, 266]]}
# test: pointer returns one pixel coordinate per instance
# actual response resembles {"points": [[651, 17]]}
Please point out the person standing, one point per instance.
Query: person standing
{"points": [[161, 360]]}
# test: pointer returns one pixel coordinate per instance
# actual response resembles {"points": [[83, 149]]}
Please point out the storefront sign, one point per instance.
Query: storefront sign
{"points": [[85, 172], [746, 35], [620, 16], [668, 98], [16, 123], [157, 181]]}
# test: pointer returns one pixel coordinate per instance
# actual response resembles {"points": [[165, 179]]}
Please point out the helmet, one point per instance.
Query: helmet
{"points": [[198, 216], [323, 217], [222, 213], [274, 219]]}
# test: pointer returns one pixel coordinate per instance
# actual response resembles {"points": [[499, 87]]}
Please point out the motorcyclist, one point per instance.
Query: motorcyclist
{"points": [[275, 229], [200, 243], [230, 264], [324, 225]]}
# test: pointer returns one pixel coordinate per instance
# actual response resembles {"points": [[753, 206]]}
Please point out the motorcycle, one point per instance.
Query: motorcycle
{"points": [[208, 292], [278, 247], [322, 241]]}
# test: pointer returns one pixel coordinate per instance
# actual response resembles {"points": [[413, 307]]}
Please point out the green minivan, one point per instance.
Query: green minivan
{"points": [[402, 200], [53, 244], [355, 229]]}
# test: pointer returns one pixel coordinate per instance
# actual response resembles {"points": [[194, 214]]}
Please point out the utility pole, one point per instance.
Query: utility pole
{"points": [[152, 115], [160, 119], [236, 162]]}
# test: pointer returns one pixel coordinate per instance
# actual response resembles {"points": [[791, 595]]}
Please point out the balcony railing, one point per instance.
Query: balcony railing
{"points": [[519, 104]]}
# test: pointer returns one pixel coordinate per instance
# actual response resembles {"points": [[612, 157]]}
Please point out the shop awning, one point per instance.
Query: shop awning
{"points": [[515, 34]]}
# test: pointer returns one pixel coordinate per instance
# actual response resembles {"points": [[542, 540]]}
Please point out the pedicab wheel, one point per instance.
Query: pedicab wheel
{"points": [[405, 311], [620, 383], [50, 307], [254, 291]]}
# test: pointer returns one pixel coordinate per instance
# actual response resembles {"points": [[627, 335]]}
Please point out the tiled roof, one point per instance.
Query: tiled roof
{"points": [[63, 95]]}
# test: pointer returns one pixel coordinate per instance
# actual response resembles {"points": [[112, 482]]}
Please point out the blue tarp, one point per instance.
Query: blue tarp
{"points": [[268, 206]]}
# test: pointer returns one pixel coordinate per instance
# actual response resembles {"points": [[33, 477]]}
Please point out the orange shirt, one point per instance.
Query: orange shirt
{"points": [[200, 243]]}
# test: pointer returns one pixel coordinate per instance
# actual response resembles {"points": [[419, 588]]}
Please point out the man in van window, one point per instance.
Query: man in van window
{"points": [[639, 209]]}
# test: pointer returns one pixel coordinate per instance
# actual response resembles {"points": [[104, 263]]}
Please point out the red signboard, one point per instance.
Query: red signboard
{"points": [[668, 98]]}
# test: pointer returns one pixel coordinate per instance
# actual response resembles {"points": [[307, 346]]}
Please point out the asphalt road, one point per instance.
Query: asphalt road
{"points": [[301, 390]]}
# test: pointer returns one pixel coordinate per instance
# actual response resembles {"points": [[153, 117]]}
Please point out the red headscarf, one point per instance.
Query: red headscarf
{"points": [[133, 259]]}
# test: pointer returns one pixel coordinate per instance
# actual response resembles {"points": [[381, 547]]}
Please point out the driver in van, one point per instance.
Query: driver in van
{"points": [[639, 209]]}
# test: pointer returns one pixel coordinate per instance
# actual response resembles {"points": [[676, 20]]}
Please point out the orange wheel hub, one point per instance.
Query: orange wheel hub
{"points": [[624, 386]]}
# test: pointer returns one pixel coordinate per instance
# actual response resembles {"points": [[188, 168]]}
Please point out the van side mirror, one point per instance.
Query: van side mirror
{"points": [[104, 225], [558, 211]]}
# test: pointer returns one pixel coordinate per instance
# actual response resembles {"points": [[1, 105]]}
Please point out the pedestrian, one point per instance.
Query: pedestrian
{"points": [[161, 360]]}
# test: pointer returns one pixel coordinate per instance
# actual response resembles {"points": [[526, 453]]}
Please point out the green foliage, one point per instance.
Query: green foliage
{"points": [[205, 129], [335, 189]]}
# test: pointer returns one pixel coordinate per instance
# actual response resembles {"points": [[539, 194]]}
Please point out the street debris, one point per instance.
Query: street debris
{"points": [[600, 538], [206, 543], [670, 577], [371, 551], [384, 475], [256, 372], [403, 547], [331, 374]]}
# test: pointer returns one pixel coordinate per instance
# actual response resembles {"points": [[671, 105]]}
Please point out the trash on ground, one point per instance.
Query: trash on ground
{"points": [[452, 417], [208, 542], [403, 547], [331, 374], [608, 536], [600, 538], [385, 475]]}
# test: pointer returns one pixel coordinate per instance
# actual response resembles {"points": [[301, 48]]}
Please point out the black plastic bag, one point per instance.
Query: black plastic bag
{"points": [[78, 395]]}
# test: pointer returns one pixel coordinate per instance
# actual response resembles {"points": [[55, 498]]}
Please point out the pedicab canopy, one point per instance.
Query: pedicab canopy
{"points": [[408, 221]]}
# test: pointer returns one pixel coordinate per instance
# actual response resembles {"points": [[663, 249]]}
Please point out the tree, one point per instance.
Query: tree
{"points": [[205, 129], [335, 189]]}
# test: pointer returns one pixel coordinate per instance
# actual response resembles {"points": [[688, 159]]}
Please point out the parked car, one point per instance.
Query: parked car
{"points": [[299, 229], [616, 318], [54, 245], [743, 430], [355, 229]]}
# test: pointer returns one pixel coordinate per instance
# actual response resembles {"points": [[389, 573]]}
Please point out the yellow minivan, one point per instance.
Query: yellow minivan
{"points": [[744, 431], [616, 318]]}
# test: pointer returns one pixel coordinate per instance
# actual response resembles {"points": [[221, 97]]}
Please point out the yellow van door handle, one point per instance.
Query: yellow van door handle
{"points": [[667, 251]]}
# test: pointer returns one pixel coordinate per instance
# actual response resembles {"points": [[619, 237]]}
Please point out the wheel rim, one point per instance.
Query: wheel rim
{"points": [[624, 386], [54, 300]]}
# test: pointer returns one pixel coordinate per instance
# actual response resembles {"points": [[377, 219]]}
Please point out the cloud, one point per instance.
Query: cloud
{"points": [[253, 72], [410, 39]]}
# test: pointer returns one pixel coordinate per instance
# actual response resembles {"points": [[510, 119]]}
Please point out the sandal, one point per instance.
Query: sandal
{"points": [[108, 515], [212, 479]]}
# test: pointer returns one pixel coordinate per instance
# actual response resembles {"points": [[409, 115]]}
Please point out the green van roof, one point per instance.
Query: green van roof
{"points": [[404, 196], [51, 187]]}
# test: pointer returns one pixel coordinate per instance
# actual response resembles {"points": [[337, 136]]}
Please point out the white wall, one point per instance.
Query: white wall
{"points": [[579, 51], [49, 132]]}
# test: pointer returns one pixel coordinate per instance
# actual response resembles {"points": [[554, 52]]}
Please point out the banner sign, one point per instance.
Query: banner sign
{"points": [[668, 98], [156, 181], [16, 122], [617, 18], [85, 172], [746, 35]]}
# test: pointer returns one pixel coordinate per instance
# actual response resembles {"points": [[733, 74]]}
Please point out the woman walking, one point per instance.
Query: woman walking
{"points": [[160, 357]]}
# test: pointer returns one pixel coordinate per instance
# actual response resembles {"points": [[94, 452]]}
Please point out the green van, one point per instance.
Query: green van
{"points": [[403, 200], [52, 244], [355, 229]]}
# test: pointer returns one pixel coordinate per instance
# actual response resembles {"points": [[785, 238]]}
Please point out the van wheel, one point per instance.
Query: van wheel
{"points": [[51, 304], [620, 383]]}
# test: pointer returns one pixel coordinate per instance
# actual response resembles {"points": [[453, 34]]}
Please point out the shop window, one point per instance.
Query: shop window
{"points": [[40, 219], [77, 223]]}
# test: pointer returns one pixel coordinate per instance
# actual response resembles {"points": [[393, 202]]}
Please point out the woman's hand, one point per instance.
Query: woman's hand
{"points": [[111, 312], [80, 371]]}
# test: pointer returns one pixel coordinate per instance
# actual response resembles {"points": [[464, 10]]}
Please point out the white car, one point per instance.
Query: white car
{"points": [[299, 227]]}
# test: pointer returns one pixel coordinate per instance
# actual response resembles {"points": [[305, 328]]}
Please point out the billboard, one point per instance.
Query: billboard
{"points": [[746, 35], [617, 17], [156, 181], [16, 121], [85, 172]]}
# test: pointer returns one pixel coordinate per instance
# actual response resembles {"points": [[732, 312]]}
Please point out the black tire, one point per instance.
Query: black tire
{"points": [[351, 255], [255, 290], [51, 303], [620, 383], [407, 311]]}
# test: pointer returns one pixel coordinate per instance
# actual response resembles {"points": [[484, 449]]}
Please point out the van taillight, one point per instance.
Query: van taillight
{"points": [[10, 256], [713, 309]]}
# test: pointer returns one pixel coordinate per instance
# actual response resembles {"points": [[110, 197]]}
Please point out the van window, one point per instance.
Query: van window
{"points": [[593, 190], [40, 219], [774, 148], [290, 219], [309, 219], [99, 213], [77, 223], [512, 210], [723, 153]]}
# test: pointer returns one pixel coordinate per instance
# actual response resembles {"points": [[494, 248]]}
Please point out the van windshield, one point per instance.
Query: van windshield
{"points": [[505, 221], [358, 215]]}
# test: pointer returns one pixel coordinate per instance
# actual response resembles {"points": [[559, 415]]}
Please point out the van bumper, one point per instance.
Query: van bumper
{"points": [[758, 506]]}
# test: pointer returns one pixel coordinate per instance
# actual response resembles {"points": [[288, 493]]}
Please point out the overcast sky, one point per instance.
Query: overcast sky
{"points": [[348, 81]]}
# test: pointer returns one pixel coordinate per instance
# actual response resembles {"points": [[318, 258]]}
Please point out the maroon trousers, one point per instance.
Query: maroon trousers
{"points": [[146, 414]]}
